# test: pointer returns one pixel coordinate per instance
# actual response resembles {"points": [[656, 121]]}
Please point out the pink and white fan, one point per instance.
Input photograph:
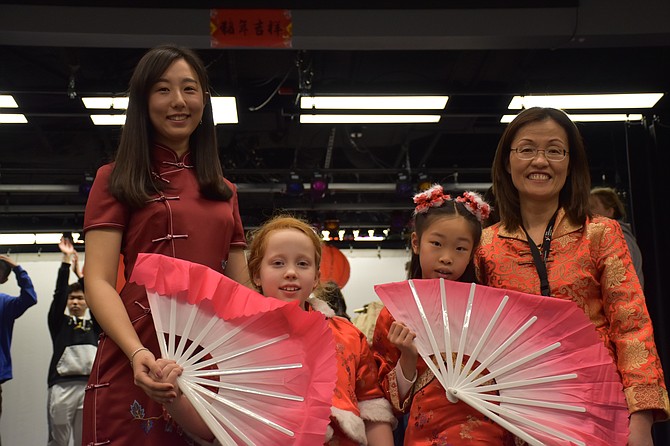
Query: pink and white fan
{"points": [[554, 381], [253, 368]]}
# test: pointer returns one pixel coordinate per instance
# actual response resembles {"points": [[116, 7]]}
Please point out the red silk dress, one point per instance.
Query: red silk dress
{"points": [[433, 420], [177, 222], [590, 265], [358, 397]]}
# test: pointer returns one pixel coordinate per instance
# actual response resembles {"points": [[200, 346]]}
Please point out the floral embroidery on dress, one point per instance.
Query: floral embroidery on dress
{"points": [[147, 423], [487, 238], [633, 355], [422, 418], [467, 428], [439, 439], [645, 397], [623, 315], [616, 271], [137, 411], [346, 360], [562, 242], [594, 229]]}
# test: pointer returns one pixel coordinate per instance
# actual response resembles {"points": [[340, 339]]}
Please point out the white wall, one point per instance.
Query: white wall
{"points": [[24, 397], [368, 268]]}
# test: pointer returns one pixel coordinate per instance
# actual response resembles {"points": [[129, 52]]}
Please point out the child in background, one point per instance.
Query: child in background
{"points": [[284, 259], [331, 293], [447, 231]]}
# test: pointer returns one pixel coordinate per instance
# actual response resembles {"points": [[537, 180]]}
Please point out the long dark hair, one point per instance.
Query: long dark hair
{"points": [[449, 208], [131, 181], [574, 196]]}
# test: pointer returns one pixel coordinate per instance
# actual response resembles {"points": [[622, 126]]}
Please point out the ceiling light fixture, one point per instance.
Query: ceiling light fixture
{"points": [[108, 119], [367, 119], [424, 182], [368, 236], [118, 102], [294, 185], [587, 101], [7, 101], [46, 238], [319, 186], [374, 102], [404, 187], [611, 117], [224, 109], [13, 118]]}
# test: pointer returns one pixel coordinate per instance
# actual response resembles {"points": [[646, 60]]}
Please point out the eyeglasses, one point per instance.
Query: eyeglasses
{"points": [[550, 153]]}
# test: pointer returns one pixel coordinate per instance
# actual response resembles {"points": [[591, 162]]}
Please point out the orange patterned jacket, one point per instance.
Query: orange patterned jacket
{"points": [[590, 265], [357, 398]]}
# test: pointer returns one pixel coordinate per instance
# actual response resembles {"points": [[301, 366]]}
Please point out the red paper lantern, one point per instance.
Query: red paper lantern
{"points": [[334, 266]]}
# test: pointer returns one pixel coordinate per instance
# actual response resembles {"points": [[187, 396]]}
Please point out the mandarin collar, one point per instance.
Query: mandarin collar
{"points": [[164, 153], [563, 226]]}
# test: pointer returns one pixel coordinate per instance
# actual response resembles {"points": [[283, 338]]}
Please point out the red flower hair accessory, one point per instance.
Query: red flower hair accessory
{"points": [[430, 198], [474, 203]]}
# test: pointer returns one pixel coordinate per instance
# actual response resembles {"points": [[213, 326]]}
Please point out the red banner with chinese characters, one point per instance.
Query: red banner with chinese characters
{"points": [[257, 28]]}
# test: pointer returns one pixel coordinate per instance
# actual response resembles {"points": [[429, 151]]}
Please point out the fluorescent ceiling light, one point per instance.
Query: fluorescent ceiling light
{"points": [[7, 101], [119, 102], [224, 109], [17, 239], [374, 102], [35, 239], [613, 117], [367, 119], [586, 101], [11, 118], [108, 119], [48, 238]]}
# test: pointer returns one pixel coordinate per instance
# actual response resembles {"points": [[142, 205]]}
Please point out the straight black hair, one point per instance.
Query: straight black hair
{"points": [[131, 181]]}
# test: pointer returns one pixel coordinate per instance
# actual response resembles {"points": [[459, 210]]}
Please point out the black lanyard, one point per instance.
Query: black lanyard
{"points": [[540, 260]]}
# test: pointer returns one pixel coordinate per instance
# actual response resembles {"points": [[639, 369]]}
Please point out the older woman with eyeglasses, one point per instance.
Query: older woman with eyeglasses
{"points": [[547, 243]]}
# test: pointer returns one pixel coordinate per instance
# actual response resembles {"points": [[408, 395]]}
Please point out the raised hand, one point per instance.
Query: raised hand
{"points": [[66, 247], [403, 338], [12, 263], [75, 265]]}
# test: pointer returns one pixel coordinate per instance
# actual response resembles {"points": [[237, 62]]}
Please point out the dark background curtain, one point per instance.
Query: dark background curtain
{"points": [[648, 151]]}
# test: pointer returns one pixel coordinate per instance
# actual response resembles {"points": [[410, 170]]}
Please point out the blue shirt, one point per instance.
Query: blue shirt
{"points": [[10, 309]]}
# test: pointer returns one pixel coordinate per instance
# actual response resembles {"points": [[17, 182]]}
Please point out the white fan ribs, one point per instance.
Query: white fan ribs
{"points": [[249, 364], [533, 364]]}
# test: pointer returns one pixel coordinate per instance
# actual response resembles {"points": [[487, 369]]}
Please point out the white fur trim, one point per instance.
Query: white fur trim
{"points": [[321, 306], [352, 425], [329, 433], [377, 410]]}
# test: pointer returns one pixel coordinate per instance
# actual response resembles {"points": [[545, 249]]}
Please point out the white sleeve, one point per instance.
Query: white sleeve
{"points": [[404, 384]]}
